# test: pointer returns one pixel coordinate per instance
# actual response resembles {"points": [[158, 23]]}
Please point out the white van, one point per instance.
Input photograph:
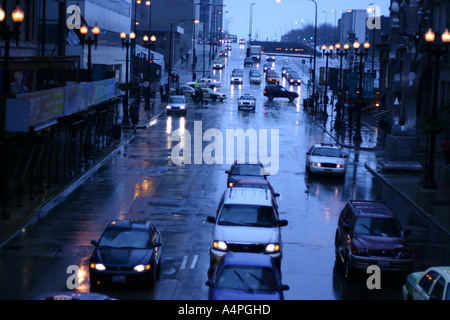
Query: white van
{"points": [[246, 221]]}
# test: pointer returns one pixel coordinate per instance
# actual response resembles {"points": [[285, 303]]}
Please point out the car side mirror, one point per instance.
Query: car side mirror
{"points": [[407, 232], [211, 219], [276, 195], [308, 153], [209, 283], [227, 172], [284, 287], [282, 223], [346, 227], [158, 244], [345, 156], [94, 242]]}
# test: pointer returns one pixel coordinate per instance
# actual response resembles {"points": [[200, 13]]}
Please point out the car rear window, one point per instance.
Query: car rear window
{"points": [[247, 169], [247, 278], [247, 215]]}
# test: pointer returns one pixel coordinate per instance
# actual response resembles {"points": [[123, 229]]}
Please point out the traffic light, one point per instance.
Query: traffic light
{"points": [[151, 58]]}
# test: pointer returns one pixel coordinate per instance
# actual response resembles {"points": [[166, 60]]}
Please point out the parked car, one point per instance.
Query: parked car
{"points": [[246, 276], [128, 251], [213, 95], [272, 91], [370, 233], [247, 101], [325, 158], [246, 221], [176, 104], [240, 170], [206, 83], [431, 284], [186, 90]]}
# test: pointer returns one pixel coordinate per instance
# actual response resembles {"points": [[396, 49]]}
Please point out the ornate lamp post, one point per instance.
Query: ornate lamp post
{"points": [[7, 34], [341, 55], [438, 50], [325, 95], [127, 44], [150, 61], [361, 54], [84, 30]]}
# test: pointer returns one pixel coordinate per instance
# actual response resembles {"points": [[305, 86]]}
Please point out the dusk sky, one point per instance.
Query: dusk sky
{"points": [[271, 18]]}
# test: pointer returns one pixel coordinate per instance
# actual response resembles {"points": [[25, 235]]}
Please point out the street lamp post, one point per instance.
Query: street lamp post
{"points": [[438, 49], [341, 55], [127, 44], [361, 54], [149, 45], [250, 23], [84, 30], [325, 95], [7, 34]]}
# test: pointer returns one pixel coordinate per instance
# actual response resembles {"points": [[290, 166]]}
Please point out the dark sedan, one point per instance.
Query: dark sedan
{"points": [[246, 276], [129, 251]]}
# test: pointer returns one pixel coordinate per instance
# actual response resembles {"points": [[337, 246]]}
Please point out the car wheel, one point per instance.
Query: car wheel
{"points": [[270, 98], [291, 99], [214, 99], [221, 100], [211, 87]]}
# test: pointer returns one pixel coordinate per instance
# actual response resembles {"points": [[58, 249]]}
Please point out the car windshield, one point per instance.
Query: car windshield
{"points": [[248, 278], [384, 227], [327, 152], [125, 238], [247, 98], [176, 100], [248, 169], [247, 215]]}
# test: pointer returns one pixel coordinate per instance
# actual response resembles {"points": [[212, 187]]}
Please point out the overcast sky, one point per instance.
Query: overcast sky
{"points": [[271, 19]]}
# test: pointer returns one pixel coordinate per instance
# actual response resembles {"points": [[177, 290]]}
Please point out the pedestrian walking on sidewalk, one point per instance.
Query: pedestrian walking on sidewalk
{"points": [[446, 146]]}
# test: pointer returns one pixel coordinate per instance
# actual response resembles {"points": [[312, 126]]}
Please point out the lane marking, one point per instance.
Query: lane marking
{"points": [[183, 264], [194, 261]]}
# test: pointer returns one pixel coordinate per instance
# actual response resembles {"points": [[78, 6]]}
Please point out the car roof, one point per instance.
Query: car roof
{"points": [[253, 181], [443, 270], [326, 145], [369, 208], [248, 259], [248, 196], [142, 224]]}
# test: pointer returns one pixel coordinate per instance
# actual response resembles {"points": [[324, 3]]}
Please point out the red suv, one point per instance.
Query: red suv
{"points": [[369, 233]]}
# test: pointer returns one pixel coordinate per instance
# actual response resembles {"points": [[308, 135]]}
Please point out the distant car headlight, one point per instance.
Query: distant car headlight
{"points": [[316, 164], [340, 166], [168, 107], [98, 266], [142, 267], [220, 245], [182, 107], [272, 248]]}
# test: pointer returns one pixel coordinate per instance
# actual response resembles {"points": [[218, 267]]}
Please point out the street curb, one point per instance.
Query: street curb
{"points": [[390, 185]]}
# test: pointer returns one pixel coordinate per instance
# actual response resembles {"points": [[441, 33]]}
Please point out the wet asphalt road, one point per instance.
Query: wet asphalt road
{"points": [[143, 182]]}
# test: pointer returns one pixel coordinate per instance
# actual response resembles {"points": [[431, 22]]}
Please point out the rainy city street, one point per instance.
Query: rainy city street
{"points": [[143, 181]]}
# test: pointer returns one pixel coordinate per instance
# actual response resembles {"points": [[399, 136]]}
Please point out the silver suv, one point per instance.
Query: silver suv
{"points": [[246, 221]]}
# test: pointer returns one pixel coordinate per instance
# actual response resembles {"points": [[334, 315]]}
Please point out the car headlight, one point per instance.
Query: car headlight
{"points": [[360, 252], [168, 107], [272, 248], [142, 267], [182, 107], [98, 266], [220, 245], [316, 164], [340, 166]]}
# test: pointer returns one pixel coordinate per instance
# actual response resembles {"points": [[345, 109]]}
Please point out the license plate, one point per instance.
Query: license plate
{"points": [[118, 278], [328, 170]]}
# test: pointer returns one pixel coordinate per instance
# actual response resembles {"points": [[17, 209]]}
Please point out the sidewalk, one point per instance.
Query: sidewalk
{"points": [[432, 204]]}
